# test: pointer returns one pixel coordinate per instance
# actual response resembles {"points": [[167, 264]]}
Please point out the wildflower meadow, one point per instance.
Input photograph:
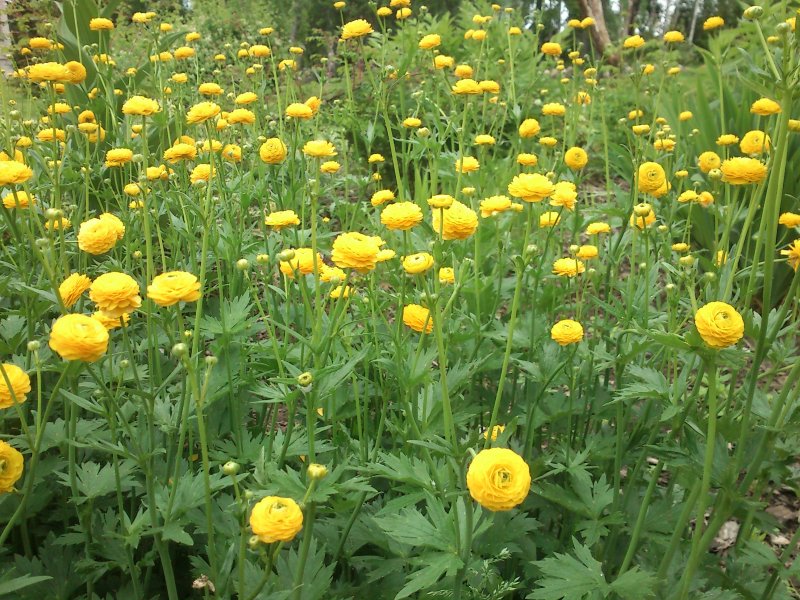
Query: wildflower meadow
{"points": [[425, 303]]}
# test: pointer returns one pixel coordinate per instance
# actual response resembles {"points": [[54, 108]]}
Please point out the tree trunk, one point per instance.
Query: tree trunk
{"points": [[630, 18], [600, 37], [6, 43], [696, 10]]}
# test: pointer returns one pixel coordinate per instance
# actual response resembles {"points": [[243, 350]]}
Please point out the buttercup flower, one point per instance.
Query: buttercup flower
{"points": [[719, 324], [567, 332], [765, 107], [115, 293], [415, 264], [201, 112], [15, 390], [72, 288], [302, 262], [299, 110], [498, 479], [432, 40], [117, 157], [531, 187], [792, 254], [78, 337], [673, 37], [651, 177], [568, 267], [598, 228], [754, 142], [354, 250], [447, 275], [98, 235], [460, 221], [173, 287], [319, 149], [401, 216], [743, 171], [11, 466], [494, 205], [467, 164], [634, 41], [789, 219], [713, 23], [417, 318], [576, 158], [356, 29], [529, 128], [180, 151], [19, 200], [275, 519], [282, 218], [140, 106], [708, 161]]}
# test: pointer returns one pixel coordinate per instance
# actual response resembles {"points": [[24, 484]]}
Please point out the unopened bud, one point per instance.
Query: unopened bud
{"points": [[230, 468], [316, 471], [305, 379], [752, 13], [33, 345], [286, 255], [180, 350], [243, 264]]}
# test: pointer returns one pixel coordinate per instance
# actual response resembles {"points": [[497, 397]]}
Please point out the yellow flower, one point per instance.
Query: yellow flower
{"points": [[713, 23], [765, 107], [401, 216], [432, 40], [642, 216], [302, 262], [19, 200], [498, 479], [246, 98], [50, 134], [564, 194], [385, 255], [568, 267], [634, 41], [463, 71], [484, 139], [201, 112], [719, 324], [110, 323], [49, 71], [549, 219], [415, 264], [16, 389], [587, 252], [440, 61], [708, 160], [489, 86], [376, 158], [494, 205], [576, 158], [381, 197], [282, 218], [259, 51], [466, 86], [417, 318], [115, 293], [330, 167], [441, 201], [673, 37], [313, 103], [743, 171], [72, 288], [319, 149], [403, 13], [598, 228], [202, 172], [527, 160], [276, 519], [299, 110], [460, 221], [172, 287], [273, 151], [792, 254], [447, 275], [651, 177], [40, 43], [11, 466], [384, 11], [496, 431], [241, 116], [664, 144], [180, 151], [554, 109], [754, 142], [789, 219], [467, 164], [353, 250], [551, 49], [210, 89], [531, 187], [567, 332], [78, 337], [356, 29], [98, 236], [140, 106], [116, 157], [727, 139]]}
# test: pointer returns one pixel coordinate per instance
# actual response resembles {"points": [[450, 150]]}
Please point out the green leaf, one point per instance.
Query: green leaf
{"points": [[437, 565], [13, 585], [566, 577], [634, 585]]}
